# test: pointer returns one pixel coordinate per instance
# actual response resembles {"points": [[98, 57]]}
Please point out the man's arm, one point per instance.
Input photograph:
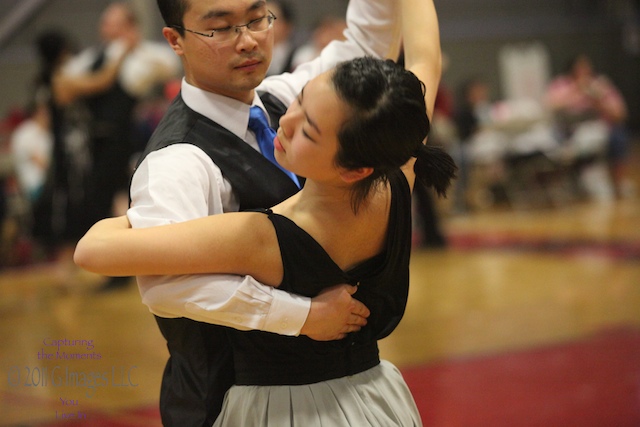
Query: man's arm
{"points": [[241, 302]]}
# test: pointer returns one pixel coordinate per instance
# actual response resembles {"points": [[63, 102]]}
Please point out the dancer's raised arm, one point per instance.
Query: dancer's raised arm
{"points": [[421, 40]]}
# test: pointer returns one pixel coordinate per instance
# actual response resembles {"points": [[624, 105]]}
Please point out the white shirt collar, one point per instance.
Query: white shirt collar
{"points": [[229, 113]]}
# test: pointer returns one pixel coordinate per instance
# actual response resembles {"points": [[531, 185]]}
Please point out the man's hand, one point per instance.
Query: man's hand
{"points": [[334, 313]]}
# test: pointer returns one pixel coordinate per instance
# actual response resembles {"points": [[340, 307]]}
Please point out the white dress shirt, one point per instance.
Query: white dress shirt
{"points": [[181, 182]]}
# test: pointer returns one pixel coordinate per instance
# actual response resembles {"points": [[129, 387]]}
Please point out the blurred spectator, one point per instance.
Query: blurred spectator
{"points": [[284, 46], [60, 213], [481, 147], [470, 113], [474, 108], [148, 65], [31, 146], [581, 96], [329, 29]]}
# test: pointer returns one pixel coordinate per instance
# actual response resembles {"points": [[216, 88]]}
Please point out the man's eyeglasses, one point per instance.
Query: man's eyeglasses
{"points": [[230, 33]]}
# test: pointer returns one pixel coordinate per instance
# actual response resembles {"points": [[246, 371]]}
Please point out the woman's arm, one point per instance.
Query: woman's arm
{"points": [[238, 243], [421, 39], [422, 53]]}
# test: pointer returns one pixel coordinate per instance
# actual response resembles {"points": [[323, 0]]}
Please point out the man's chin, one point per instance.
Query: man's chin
{"points": [[252, 80]]}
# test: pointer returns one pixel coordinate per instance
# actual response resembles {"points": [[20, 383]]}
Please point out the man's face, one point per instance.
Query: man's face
{"points": [[232, 68]]}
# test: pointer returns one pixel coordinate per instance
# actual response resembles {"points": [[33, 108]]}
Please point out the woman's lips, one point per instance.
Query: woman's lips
{"points": [[277, 144]]}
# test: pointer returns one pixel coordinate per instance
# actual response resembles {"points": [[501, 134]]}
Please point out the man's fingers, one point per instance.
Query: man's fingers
{"points": [[352, 328], [356, 320], [360, 309]]}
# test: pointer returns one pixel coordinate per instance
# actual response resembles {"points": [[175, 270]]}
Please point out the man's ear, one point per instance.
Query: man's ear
{"points": [[173, 38], [352, 175]]}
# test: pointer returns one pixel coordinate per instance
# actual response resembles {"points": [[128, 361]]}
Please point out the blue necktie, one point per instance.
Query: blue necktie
{"points": [[264, 135]]}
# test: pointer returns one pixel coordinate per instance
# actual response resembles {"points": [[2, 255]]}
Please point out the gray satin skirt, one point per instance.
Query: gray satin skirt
{"points": [[376, 397]]}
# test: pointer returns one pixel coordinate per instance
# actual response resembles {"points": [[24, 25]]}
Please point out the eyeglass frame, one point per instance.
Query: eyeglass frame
{"points": [[271, 17]]}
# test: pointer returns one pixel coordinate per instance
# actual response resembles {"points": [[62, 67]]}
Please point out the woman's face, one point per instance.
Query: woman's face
{"points": [[307, 140]]}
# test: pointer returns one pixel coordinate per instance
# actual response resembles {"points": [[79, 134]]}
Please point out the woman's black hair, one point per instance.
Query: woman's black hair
{"points": [[434, 168], [387, 125]]}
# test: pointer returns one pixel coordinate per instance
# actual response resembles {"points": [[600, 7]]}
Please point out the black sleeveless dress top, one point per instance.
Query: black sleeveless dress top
{"points": [[263, 358]]}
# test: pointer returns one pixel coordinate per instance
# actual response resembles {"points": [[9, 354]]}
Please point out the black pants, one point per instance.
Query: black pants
{"points": [[198, 373]]}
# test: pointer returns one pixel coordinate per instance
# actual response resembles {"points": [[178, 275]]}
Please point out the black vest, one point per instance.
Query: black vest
{"points": [[200, 367], [256, 182]]}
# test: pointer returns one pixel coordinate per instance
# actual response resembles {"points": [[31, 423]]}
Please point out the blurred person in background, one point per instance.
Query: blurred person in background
{"points": [[582, 96], [473, 111], [60, 213], [148, 65], [284, 46], [31, 146], [471, 114]]}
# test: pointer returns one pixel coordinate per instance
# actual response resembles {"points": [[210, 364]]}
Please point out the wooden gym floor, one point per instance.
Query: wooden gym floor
{"points": [[528, 318]]}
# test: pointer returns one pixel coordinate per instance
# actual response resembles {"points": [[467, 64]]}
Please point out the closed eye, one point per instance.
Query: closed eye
{"points": [[304, 132]]}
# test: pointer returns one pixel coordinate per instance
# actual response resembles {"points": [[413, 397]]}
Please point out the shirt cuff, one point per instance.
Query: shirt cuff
{"points": [[288, 314]]}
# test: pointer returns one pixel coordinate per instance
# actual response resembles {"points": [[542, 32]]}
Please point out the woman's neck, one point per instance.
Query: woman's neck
{"points": [[318, 198], [326, 213]]}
